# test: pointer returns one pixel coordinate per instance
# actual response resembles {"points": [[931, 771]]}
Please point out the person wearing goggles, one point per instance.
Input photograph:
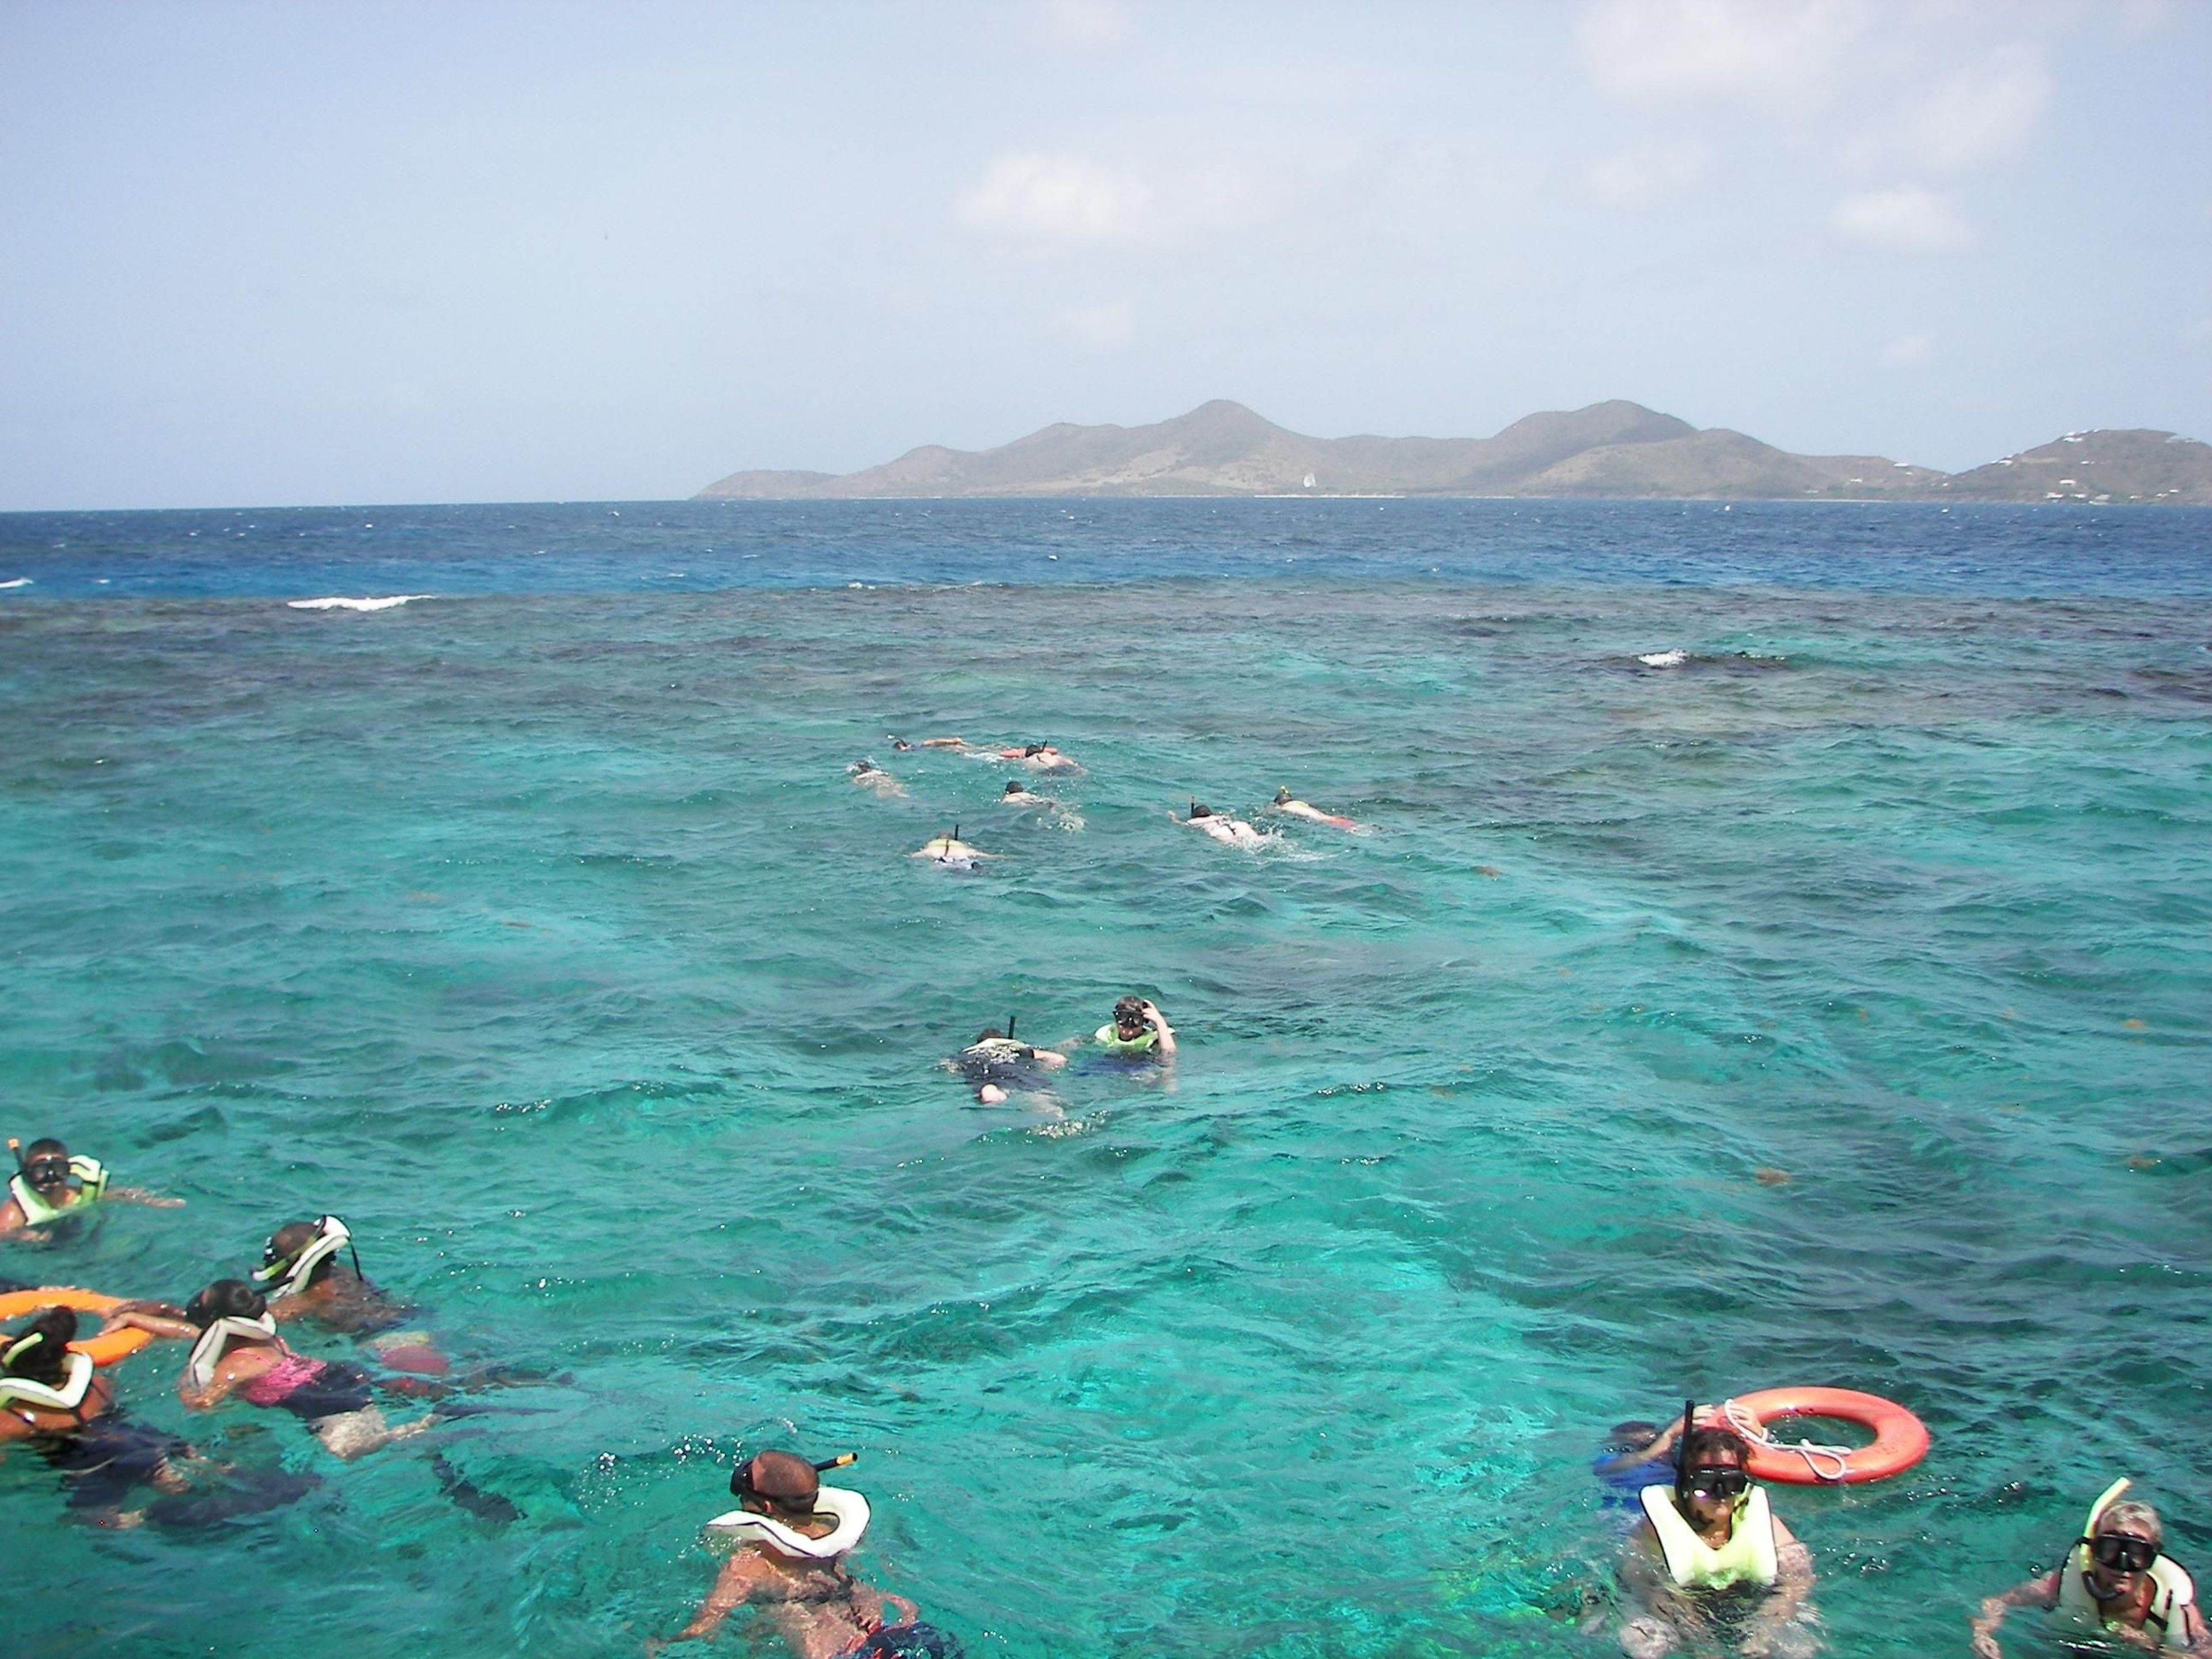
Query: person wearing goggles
{"points": [[1710, 1565], [1138, 1031], [2116, 1583], [50, 1185], [796, 1535]]}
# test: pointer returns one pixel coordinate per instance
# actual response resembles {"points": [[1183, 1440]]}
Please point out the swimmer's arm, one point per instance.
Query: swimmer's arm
{"points": [[143, 1195], [1050, 1059], [732, 1586], [1161, 1030], [1793, 1583], [159, 1319], [945, 742], [200, 1399], [2035, 1593]]}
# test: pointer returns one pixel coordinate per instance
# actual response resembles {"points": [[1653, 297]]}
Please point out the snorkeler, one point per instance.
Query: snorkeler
{"points": [[869, 776], [1042, 757], [2116, 1581], [796, 1533], [52, 1397], [1018, 793], [236, 1349], [46, 1387], [1711, 1561], [302, 1276], [1139, 1031], [1231, 832], [1037, 756], [994, 1065], [49, 1185], [952, 852], [1283, 802]]}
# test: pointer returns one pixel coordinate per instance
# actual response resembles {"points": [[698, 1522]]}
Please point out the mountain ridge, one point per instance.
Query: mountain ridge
{"points": [[1617, 449]]}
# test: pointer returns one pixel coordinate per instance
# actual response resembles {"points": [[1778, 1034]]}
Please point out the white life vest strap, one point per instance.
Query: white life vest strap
{"points": [[847, 1509], [335, 1235], [215, 1339], [76, 1380]]}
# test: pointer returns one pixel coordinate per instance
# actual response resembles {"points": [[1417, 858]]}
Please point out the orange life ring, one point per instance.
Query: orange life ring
{"points": [[103, 1350], [1900, 1439]]}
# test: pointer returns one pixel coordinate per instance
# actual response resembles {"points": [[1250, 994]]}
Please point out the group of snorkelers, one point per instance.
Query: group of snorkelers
{"points": [[952, 851], [792, 1533], [998, 1066], [1709, 1566]]}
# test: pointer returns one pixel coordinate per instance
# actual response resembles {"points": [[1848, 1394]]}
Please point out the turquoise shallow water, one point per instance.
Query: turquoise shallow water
{"points": [[540, 933]]}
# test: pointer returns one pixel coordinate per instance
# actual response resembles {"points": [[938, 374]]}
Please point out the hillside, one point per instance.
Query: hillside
{"points": [[2131, 465], [1616, 449]]}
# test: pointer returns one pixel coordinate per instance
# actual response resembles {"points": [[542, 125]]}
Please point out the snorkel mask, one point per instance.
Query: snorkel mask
{"points": [[291, 1272]]}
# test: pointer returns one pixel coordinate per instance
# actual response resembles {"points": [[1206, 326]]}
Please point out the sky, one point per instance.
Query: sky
{"points": [[275, 254]]}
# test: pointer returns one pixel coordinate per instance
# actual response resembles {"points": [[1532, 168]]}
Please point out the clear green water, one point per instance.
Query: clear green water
{"points": [[544, 939]]}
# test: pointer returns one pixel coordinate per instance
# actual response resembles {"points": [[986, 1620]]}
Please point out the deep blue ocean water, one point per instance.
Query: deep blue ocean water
{"points": [[534, 927]]}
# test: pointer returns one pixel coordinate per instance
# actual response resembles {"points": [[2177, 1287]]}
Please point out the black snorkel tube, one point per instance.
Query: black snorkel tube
{"points": [[1682, 1453]]}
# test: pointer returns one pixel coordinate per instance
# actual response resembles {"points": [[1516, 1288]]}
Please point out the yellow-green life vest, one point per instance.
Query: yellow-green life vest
{"points": [[92, 1182], [1748, 1558], [1107, 1038]]}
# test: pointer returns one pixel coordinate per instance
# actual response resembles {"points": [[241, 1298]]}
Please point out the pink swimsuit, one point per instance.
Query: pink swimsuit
{"points": [[288, 1375]]}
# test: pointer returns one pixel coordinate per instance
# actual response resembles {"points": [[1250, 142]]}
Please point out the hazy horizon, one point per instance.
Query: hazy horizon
{"points": [[402, 253]]}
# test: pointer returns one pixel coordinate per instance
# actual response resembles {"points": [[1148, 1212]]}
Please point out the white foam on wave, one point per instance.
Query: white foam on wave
{"points": [[20, 581], [1673, 659], [336, 603]]}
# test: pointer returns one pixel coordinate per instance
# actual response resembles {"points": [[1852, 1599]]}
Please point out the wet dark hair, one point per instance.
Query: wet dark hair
{"points": [[1013, 787], [48, 1147], [786, 1480], [1699, 1446], [1282, 794], [1200, 811], [1129, 1010], [990, 1033], [227, 1299], [1034, 749], [50, 1335]]}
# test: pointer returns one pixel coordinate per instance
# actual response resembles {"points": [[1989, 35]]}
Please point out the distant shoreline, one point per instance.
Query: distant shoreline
{"points": [[1617, 451]]}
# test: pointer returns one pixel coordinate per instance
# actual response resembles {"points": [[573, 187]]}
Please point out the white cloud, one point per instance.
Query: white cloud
{"points": [[1647, 174], [1086, 25], [1056, 202], [1158, 194], [1771, 52], [1907, 350], [1102, 327], [1910, 217], [1982, 114]]}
